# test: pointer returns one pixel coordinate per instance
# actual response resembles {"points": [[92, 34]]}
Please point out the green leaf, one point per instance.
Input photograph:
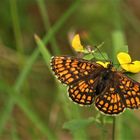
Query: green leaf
{"points": [[97, 56], [101, 56], [88, 56], [77, 124]]}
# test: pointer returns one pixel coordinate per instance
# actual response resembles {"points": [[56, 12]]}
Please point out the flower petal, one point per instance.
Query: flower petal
{"points": [[125, 61], [76, 44], [124, 58], [134, 67], [125, 66]]}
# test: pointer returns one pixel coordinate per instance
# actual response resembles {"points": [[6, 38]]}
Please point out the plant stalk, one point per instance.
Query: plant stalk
{"points": [[113, 128]]}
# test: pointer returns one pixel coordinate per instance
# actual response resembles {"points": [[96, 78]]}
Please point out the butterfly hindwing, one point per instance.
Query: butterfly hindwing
{"points": [[110, 102], [83, 91], [130, 90], [121, 92]]}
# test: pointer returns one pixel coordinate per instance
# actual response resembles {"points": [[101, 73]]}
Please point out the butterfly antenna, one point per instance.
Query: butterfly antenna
{"points": [[91, 51], [97, 48]]}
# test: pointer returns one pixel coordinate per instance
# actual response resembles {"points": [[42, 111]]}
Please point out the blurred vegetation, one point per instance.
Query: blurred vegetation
{"points": [[33, 105]]}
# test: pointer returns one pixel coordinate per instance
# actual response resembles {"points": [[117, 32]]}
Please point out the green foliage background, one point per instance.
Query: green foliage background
{"points": [[33, 105]]}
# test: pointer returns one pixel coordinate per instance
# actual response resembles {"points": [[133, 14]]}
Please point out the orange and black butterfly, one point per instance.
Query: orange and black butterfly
{"points": [[89, 82]]}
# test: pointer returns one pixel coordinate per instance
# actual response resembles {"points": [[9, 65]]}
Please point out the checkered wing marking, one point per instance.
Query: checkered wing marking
{"points": [[83, 91], [110, 102], [122, 92], [130, 90], [70, 70]]}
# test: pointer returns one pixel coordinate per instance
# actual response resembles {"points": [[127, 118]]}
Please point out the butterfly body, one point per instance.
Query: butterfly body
{"points": [[88, 82]]}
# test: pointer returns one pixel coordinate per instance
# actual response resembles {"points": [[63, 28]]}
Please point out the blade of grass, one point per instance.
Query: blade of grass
{"points": [[23, 75], [45, 18], [45, 53], [8, 106], [6, 113], [80, 135], [26, 70], [118, 41], [23, 104], [118, 37], [62, 20], [17, 31]]}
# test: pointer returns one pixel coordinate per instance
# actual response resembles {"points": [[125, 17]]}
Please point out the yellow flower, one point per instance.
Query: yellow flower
{"points": [[103, 64], [127, 64], [76, 44]]}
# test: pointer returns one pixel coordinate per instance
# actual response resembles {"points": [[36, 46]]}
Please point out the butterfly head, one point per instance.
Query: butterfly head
{"points": [[110, 66]]}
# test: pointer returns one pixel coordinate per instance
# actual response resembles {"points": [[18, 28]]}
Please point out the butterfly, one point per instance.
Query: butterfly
{"points": [[89, 82]]}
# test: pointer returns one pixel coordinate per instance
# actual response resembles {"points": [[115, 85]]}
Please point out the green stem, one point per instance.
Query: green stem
{"points": [[45, 18], [113, 128], [17, 31]]}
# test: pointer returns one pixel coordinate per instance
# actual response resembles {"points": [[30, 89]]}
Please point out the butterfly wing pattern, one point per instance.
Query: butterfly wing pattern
{"points": [[88, 82], [130, 90], [78, 74]]}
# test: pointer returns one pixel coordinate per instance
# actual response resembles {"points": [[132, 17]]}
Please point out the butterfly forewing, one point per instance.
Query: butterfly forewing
{"points": [[70, 70], [81, 76]]}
